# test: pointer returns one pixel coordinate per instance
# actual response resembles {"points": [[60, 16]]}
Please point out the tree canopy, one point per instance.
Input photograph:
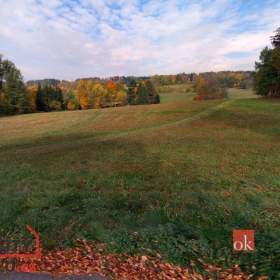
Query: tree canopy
{"points": [[267, 78], [13, 96], [53, 95]]}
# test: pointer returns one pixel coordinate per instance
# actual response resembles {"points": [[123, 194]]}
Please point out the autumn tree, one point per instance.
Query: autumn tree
{"points": [[111, 87], [99, 93], [201, 87], [121, 98], [70, 101], [209, 87], [82, 95], [32, 93]]}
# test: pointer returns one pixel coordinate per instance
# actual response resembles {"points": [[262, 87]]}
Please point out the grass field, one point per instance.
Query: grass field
{"points": [[173, 178]]}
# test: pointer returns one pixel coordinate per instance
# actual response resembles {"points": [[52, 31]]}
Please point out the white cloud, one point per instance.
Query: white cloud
{"points": [[71, 39]]}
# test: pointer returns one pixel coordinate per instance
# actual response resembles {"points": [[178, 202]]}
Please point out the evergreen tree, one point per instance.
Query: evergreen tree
{"points": [[267, 78], [24, 102], [142, 94], [157, 99], [131, 94], [49, 98], [266, 74], [40, 102]]}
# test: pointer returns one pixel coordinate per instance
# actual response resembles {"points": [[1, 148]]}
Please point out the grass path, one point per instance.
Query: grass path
{"points": [[105, 136], [187, 120]]}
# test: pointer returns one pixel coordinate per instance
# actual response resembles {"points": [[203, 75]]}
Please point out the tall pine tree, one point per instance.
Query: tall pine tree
{"points": [[142, 94], [131, 94]]}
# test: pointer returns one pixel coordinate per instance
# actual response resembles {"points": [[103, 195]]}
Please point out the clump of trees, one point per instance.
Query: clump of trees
{"points": [[13, 95], [209, 87], [95, 94], [54, 95], [267, 78], [143, 92], [49, 98], [86, 94]]}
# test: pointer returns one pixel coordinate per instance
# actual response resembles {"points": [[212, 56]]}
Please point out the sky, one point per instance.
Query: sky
{"points": [[69, 39]]}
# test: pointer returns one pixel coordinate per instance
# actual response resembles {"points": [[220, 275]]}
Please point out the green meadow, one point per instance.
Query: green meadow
{"points": [[173, 178]]}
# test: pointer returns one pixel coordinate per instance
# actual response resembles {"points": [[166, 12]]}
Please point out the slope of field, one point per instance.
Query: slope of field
{"points": [[173, 178]]}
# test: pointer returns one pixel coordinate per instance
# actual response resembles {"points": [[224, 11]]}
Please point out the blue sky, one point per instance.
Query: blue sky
{"points": [[67, 39]]}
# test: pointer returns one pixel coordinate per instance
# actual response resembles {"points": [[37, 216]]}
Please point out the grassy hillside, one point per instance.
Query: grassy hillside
{"points": [[175, 178]]}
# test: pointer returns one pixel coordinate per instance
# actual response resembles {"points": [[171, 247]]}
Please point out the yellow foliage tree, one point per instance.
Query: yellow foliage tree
{"points": [[32, 93], [82, 95], [99, 94], [121, 98], [71, 105]]}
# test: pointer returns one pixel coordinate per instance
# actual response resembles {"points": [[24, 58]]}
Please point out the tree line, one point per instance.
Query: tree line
{"points": [[48, 95], [229, 79], [90, 94]]}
